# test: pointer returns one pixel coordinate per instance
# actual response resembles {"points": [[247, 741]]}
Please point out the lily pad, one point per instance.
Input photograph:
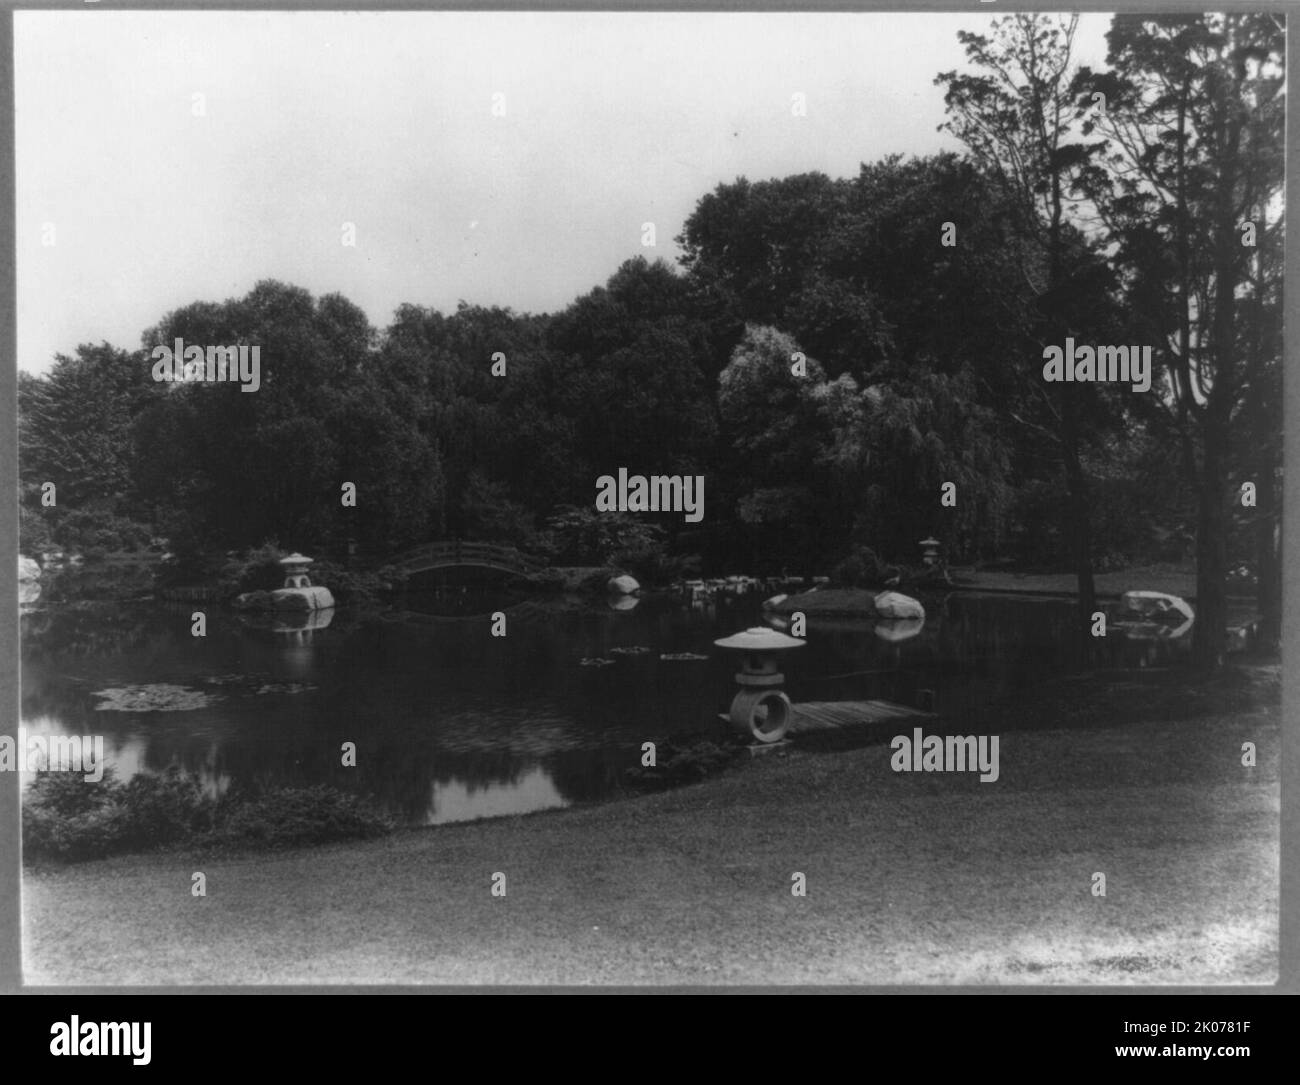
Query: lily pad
{"points": [[158, 697]]}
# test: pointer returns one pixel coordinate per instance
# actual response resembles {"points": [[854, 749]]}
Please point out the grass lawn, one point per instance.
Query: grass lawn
{"points": [[911, 877]]}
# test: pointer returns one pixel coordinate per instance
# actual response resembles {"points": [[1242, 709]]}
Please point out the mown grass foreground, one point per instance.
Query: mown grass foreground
{"points": [[911, 877]]}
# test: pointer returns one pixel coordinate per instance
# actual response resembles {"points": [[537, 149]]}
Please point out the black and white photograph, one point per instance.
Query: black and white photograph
{"points": [[648, 499]]}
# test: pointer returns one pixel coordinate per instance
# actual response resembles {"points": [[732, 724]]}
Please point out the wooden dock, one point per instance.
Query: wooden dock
{"points": [[811, 716], [829, 717]]}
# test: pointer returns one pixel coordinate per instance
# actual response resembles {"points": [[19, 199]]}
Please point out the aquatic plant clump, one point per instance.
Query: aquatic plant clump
{"points": [[157, 697]]}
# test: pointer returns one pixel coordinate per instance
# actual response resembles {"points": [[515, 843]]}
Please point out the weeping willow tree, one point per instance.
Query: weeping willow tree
{"points": [[785, 504], [864, 464], [895, 446]]}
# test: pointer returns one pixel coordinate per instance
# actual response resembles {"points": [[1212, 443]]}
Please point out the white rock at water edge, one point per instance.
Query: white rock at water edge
{"points": [[29, 581], [892, 604], [624, 585]]}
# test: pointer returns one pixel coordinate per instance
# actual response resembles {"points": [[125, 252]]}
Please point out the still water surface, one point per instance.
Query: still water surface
{"points": [[451, 723]]}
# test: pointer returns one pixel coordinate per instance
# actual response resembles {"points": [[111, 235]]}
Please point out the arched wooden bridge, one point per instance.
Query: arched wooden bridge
{"points": [[473, 555]]}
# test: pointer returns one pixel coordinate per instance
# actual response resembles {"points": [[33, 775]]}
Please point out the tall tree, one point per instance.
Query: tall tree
{"points": [[784, 505], [74, 424], [1193, 173], [270, 464], [1015, 114]]}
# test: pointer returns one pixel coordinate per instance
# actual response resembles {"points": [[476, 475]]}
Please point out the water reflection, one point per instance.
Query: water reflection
{"points": [[458, 800], [897, 630], [450, 722]]}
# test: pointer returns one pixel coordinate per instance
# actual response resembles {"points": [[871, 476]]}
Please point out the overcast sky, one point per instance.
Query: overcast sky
{"points": [[314, 119]]}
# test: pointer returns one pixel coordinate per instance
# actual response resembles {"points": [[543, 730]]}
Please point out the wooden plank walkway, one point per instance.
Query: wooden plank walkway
{"points": [[821, 717], [810, 716]]}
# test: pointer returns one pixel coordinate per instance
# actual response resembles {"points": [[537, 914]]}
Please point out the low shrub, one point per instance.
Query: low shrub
{"points": [[651, 563], [294, 817], [97, 526], [167, 807], [97, 579], [68, 818], [861, 569], [683, 761], [254, 570], [346, 585]]}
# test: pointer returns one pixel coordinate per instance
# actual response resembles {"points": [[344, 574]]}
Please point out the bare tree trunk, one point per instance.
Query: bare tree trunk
{"points": [[1079, 514], [1210, 630], [1268, 583]]}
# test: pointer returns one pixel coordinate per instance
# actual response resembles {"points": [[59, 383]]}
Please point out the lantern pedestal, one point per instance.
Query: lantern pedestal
{"points": [[763, 714]]}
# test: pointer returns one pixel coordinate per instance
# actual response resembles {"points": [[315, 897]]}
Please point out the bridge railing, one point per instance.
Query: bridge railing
{"points": [[470, 553]]}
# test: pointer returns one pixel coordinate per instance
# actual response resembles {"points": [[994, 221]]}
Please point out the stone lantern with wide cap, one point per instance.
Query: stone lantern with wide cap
{"points": [[760, 709], [298, 592], [929, 550], [295, 570]]}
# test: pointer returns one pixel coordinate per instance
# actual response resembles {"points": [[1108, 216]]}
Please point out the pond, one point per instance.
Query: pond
{"points": [[451, 723]]}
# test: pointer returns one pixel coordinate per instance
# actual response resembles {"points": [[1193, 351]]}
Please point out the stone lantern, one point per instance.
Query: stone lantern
{"points": [[298, 592], [760, 710], [295, 571], [929, 551]]}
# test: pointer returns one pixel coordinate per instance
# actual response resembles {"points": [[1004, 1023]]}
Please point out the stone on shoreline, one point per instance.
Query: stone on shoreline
{"points": [[311, 598], [29, 581], [892, 604], [850, 603]]}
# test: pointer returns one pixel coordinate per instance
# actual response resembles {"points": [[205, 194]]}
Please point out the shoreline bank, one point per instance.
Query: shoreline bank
{"points": [[928, 878]]}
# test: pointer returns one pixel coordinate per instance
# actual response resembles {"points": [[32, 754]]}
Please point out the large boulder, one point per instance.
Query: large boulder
{"points": [[892, 604], [29, 581], [1154, 614], [313, 598], [1157, 606], [623, 585]]}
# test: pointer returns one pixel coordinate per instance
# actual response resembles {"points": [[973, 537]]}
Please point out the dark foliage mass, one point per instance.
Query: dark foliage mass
{"points": [[68, 818], [829, 354]]}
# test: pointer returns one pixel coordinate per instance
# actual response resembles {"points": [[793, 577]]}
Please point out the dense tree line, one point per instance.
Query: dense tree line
{"points": [[829, 353]]}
